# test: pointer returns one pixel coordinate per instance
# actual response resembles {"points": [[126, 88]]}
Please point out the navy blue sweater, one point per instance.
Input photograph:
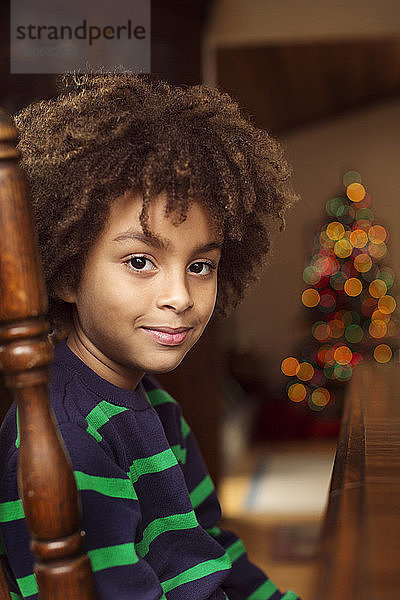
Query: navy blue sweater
{"points": [[150, 510]]}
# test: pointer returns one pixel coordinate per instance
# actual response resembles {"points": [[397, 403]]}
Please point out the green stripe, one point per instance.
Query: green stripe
{"points": [[290, 596], [214, 531], [163, 525], [184, 427], [236, 550], [113, 556], [157, 397], [15, 596], [180, 453], [100, 415], [197, 572], [114, 487], [11, 511], [18, 438], [27, 585], [264, 592], [201, 491], [152, 464]]}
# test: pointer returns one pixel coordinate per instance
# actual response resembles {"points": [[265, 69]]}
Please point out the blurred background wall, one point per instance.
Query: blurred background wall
{"points": [[324, 77]]}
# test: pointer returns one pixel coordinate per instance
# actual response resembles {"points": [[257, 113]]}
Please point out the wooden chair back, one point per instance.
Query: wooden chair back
{"points": [[45, 478]]}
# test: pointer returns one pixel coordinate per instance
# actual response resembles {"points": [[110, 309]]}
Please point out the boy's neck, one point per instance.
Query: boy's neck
{"points": [[103, 366]]}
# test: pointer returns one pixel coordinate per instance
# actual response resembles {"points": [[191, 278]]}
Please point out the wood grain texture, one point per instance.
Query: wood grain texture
{"points": [[46, 482], [360, 547]]}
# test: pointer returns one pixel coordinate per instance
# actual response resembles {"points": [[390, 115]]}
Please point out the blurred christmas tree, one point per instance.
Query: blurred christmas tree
{"points": [[350, 299]]}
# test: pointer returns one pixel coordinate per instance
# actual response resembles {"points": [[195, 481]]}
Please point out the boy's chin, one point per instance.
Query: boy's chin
{"points": [[165, 368]]}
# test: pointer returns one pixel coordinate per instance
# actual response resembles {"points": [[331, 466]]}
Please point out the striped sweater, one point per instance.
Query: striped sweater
{"points": [[150, 510]]}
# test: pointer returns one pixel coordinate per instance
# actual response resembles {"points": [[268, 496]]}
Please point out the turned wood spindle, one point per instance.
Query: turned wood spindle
{"points": [[45, 479]]}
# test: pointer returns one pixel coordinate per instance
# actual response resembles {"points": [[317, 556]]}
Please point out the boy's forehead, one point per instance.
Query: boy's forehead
{"points": [[124, 222]]}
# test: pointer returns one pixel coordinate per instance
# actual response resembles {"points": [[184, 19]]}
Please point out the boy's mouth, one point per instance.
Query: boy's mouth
{"points": [[168, 336]]}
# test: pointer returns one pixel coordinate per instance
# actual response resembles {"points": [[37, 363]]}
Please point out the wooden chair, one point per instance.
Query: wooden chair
{"points": [[46, 482]]}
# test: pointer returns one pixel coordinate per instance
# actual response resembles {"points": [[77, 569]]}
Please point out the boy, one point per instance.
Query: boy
{"points": [[152, 206]]}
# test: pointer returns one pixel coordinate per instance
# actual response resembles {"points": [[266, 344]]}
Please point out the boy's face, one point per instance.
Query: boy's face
{"points": [[142, 302]]}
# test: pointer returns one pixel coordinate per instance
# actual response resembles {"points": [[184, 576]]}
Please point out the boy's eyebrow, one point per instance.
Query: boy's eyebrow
{"points": [[149, 240], [156, 242]]}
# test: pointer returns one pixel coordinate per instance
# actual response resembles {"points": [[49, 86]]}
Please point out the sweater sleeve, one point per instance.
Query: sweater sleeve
{"points": [[110, 516], [245, 581]]}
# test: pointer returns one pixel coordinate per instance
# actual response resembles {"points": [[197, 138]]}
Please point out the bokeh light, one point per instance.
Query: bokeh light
{"points": [[321, 331], [343, 355], [311, 276], [377, 329], [351, 177], [335, 231], [358, 238], [325, 355], [353, 287], [343, 372], [378, 315], [354, 334], [337, 281], [325, 241], [310, 297], [362, 263], [343, 248], [327, 301], [297, 392], [377, 288], [387, 274], [383, 353], [366, 215], [356, 192], [320, 397], [377, 251], [386, 304], [289, 366], [305, 371], [337, 328], [329, 371], [337, 207], [377, 234]]}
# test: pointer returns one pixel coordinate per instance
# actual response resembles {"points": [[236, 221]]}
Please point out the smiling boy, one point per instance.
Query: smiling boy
{"points": [[143, 301], [152, 206]]}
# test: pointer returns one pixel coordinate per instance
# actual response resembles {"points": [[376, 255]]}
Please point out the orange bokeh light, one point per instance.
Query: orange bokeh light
{"points": [[377, 234], [320, 396], [335, 231], [289, 366], [358, 238], [377, 288], [377, 329], [363, 263], [297, 392], [383, 353], [310, 297], [386, 304], [353, 287], [343, 355], [305, 371], [356, 192]]}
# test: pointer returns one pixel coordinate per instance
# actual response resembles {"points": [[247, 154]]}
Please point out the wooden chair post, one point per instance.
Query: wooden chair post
{"points": [[46, 482]]}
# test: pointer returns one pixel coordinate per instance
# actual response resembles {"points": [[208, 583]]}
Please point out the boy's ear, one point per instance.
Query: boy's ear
{"points": [[66, 293]]}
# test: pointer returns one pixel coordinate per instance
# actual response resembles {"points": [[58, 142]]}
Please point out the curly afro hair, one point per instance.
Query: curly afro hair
{"points": [[109, 132]]}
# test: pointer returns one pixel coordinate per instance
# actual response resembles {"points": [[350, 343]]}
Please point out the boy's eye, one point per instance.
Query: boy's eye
{"points": [[140, 263], [201, 268]]}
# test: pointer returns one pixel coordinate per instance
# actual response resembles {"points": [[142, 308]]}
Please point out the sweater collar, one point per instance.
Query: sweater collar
{"points": [[65, 358]]}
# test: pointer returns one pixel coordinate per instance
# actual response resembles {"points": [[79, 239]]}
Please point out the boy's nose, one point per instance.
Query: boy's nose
{"points": [[175, 294]]}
